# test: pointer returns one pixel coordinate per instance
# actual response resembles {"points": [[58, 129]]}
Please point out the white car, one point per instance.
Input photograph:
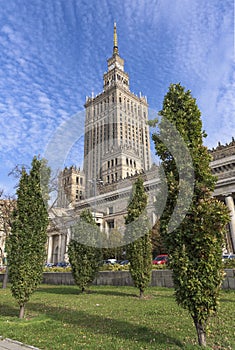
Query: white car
{"points": [[111, 261]]}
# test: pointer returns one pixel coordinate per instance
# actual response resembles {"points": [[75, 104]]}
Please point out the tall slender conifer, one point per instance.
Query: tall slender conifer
{"points": [[195, 246]]}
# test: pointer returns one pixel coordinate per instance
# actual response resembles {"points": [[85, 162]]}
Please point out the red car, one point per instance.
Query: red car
{"points": [[160, 259]]}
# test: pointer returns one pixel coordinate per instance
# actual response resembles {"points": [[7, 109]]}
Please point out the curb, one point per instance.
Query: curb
{"points": [[7, 342]]}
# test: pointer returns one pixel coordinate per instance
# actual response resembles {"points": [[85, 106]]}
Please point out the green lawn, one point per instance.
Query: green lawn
{"points": [[111, 318]]}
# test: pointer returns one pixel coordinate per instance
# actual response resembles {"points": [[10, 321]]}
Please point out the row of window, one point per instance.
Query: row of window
{"points": [[114, 78], [129, 162], [125, 103], [112, 178], [79, 180], [112, 162]]}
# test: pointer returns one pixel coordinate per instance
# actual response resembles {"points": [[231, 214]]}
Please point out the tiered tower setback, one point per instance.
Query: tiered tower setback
{"points": [[117, 141]]}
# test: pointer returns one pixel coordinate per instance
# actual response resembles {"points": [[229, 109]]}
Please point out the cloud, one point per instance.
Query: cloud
{"points": [[53, 54]]}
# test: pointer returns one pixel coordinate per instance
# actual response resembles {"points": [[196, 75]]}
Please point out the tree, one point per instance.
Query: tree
{"points": [[83, 250], [193, 233], [157, 240], [138, 237], [26, 244]]}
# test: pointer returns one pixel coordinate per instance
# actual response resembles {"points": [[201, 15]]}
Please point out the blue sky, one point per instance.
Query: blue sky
{"points": [[53, 54]]}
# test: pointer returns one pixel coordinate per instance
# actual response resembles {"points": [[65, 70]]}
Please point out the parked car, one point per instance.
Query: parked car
{"points": [[124, 262], [111, 261], [62, 264], [49, 265], [228, 256], [160, 259]]}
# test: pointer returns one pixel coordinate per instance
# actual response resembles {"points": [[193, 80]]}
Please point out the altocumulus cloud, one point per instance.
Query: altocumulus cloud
{"points": [[53, 54]]}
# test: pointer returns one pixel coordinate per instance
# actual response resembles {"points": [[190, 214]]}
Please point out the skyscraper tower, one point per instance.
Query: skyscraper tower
{"points": [[116, 132]]}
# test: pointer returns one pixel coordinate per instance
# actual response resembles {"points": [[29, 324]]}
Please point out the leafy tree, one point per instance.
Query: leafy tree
{"points": [[26, 243], [157, 240], [138, 237], [195, 242], [83, 250]]}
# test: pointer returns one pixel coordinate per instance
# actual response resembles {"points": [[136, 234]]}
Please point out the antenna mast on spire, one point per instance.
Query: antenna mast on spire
{"points": [[115, 40]]}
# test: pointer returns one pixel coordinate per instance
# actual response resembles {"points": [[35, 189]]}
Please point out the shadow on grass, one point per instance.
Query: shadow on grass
{"points": [[73, 290], [99, 324], [6, 310], [116, 293], [226, 300], [64, 290]]}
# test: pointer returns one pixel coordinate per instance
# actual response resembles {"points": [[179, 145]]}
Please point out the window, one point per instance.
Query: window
{"points": [[110, 210], [110, 224]]}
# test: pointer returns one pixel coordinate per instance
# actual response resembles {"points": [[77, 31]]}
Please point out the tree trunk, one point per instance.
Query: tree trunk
{"points": [[141, 293], [5, 278], [21, 315], [201, 332]]}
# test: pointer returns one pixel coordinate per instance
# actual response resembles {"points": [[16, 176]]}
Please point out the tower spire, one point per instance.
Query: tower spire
{"points": [[115, 40]]}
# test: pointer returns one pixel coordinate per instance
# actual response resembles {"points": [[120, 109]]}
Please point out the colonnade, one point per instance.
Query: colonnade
{"points": [[229, 201], [57, 247]]}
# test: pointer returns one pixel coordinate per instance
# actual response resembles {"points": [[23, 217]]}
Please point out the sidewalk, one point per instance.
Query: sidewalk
{"points": [[9, 344]]}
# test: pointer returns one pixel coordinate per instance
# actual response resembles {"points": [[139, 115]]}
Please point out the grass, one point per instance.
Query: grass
{"points": [[111, 318]]}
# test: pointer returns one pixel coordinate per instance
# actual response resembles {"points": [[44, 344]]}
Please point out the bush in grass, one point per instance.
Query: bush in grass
{"points": [[195, 246], [84, 258], [26, 243], [114, 267]]}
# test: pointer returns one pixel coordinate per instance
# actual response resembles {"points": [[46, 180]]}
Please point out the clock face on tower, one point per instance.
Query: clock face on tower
{"points": [[115, 64]]}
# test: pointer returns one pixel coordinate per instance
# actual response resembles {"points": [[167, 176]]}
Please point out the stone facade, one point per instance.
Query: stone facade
{"points": [[7, 206], [71, 187], [117, 141], [223, 167]]}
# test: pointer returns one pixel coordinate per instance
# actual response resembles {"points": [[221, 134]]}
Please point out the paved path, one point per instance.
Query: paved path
{"points": [[8, 344]]}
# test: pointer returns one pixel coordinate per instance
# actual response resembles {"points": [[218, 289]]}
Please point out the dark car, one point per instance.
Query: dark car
{"points": [[228, 256], [124, 262], [62, 264], [160, 259]]}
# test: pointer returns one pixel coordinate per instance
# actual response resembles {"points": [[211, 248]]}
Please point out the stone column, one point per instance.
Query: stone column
{"points": [[59, 248], [67, 238], [49, 248], [63, 248], [230, 204]]}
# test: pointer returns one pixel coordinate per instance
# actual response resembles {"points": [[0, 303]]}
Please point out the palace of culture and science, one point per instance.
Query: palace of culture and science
{"points": [[116, 151], [116, 144]]}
